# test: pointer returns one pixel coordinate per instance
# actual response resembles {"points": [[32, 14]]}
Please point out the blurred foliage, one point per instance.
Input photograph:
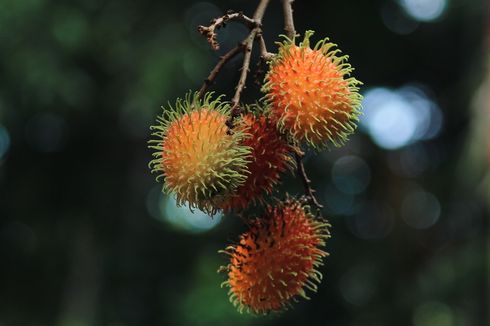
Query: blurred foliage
{"points": [[81, 81]]}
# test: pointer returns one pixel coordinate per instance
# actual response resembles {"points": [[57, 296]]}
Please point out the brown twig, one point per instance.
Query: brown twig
{"points": [[210, 31], [255, 26], [264, 54], [309, 191], [248, 45], [260, 11], [301, 172], [216, 70], [287, 6]]}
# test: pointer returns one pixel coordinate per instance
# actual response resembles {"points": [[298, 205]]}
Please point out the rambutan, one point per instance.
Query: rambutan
{"points": [[201, 161], [269, 157], [310, 94], [276, 259]]}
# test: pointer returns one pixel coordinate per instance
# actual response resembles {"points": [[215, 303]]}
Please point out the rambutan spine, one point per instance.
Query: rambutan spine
{"points": [[270, 156]]}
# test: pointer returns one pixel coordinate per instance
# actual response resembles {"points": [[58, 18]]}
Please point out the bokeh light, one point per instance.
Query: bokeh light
{"points": [[428, 114], [433, 314], [164, 208], [70, 28], [396, 118], [412, 161], [420, 209], [359, 284], [374, 221], [351, 174], [193, 67], [4, 141], [424, 10], [198, 14], [340, 203], [396, 19], [134, 117], [205, 299]]}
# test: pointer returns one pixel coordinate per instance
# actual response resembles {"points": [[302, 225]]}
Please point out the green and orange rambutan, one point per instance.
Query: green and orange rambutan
{"points": [[310, 93], [270, 156], [276, 259], [200, 160]]}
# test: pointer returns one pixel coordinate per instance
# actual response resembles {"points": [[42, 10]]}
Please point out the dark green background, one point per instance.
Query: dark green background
{"points": [[80, 83]]}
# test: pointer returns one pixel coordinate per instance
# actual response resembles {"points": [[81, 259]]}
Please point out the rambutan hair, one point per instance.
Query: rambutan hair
{"points": [[200, 160], [276, 259], [270, 156], [310, 93]]}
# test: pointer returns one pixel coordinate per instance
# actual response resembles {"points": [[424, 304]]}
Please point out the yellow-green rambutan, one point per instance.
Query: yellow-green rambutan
{"points": [[270, 156], [276, 259], [200, 159], [310, 93]]}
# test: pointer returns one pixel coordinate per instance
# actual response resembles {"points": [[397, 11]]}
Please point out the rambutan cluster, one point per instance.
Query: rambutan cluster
{"points": [[217, 155]]}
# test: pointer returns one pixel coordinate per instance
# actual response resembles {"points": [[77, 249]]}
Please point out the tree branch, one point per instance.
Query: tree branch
{"points": [[287, 6], [309, 191], [255, 26], [264, 54], [216, 70], [260, 11], [248, 45], [301, 172], [210, 31]]}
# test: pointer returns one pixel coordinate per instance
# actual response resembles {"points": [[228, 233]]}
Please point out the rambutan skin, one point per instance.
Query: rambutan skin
{"points": [[276, 259], [310, 94], [270, 156], [200, 160]]}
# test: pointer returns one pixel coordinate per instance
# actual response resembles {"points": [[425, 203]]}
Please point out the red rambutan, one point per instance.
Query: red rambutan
{"points": [[275, 259], [269, 157]]}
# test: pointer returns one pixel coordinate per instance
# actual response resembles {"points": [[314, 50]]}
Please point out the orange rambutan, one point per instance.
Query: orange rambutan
{"points": [[269, 157], [310, 94], [200, 160], [276, 259]]}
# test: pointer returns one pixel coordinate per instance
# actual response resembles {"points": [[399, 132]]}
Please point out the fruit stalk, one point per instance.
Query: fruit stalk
{"points": [[287, 6]]}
